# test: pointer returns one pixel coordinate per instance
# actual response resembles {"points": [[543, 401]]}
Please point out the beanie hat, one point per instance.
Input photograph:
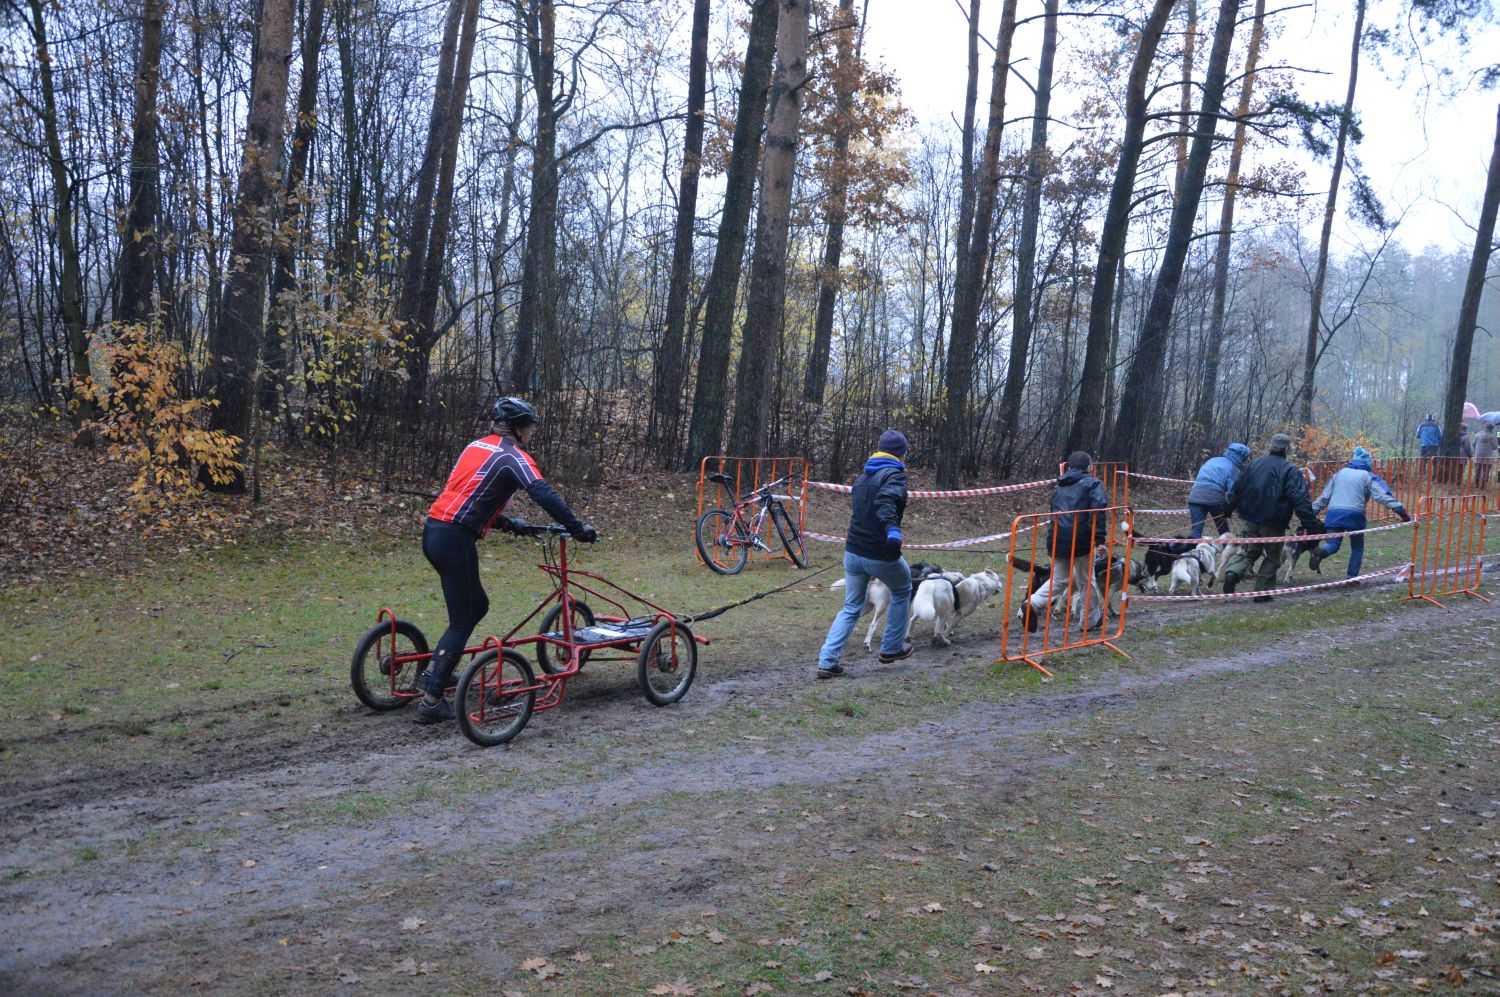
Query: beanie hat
{"points": [[893, 442], [1280, 443], [1360, 453], [1079, 461]]}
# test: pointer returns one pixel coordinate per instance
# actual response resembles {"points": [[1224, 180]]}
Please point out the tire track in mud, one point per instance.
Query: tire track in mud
{"points": [[127, 899]]}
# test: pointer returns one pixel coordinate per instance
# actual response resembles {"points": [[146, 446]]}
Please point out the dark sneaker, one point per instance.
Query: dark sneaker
{"points": [[1230, 581], [429, 712], [1313, 560], [1031, 621], [831, 673], [905, 652], [1262, 598]]}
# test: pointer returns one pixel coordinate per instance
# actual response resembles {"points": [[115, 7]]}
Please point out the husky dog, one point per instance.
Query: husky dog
{"points": [[946, 598], [878, 595], [1294, 549], [1195, 569]]}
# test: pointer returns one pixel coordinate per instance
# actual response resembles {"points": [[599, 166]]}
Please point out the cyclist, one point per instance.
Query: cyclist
{"points": [[487, 474]]}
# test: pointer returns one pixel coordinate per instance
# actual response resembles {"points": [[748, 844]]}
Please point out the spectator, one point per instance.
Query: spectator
{"points": [[1430, 436], [1484, 445], [1345, 498], [1210, 493], [1466, 443], [873, 550], [1266, 495], [1071, 539]]}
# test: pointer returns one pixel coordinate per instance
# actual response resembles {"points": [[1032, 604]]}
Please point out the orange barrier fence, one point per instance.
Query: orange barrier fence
{"points": [[1447, 550], [1409, 478], [1064, 601], [1115, 474], [747, 474]]}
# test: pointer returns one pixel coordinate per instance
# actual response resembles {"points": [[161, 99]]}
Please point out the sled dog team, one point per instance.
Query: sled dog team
{"points": [[1265, 494]]}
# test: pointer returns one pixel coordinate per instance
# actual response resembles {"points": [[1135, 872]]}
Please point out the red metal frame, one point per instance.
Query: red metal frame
{"points": [[1447, 547], [402, 659], [551, 687]]}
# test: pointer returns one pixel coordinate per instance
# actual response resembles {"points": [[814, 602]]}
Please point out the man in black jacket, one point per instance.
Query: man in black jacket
{"points": [[1071, 538], [1266, 495], [873, 550]]}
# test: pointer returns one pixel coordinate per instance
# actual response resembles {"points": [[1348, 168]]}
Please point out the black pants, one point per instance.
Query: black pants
{"points": [[454, 554]]}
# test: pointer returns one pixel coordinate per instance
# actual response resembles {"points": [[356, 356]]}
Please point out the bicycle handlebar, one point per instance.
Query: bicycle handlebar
{"points": [[543, 529]]}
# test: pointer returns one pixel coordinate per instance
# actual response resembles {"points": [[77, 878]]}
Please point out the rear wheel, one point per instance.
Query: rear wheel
{"points": [[495, 697], [719, 543], [667, 663], [552, 657], [791, 537], [374, 661]]}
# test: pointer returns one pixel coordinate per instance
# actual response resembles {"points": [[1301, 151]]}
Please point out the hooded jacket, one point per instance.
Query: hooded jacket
{"points": [[1076, 532], [1483, 442], [1429, 433], [1269, 491], [1347, 492], [1217, 476], [878, 503]]}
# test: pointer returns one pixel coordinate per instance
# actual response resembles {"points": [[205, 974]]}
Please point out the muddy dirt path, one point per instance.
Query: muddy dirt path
{"points": [[240, 837]]}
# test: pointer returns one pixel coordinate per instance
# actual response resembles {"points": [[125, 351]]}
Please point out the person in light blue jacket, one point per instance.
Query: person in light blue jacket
{"points": [[1209, 496], [1345, 498]]}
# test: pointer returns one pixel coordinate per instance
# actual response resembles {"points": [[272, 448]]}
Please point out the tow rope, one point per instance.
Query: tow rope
{"points": [[700, 617]]}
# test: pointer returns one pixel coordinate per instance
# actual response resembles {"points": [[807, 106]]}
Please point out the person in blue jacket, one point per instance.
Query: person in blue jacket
{"points": [[1210, 494], [1345, 498], [1429, 436], [873, 550]]}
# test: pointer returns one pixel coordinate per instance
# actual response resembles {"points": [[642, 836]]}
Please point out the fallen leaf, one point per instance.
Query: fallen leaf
{"points": [[986, 968], [822, 976], [412, 923], [248, 863], [716, 937], [933, 908]]}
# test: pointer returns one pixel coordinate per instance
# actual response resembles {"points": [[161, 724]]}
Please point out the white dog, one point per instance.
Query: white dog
{"points": [[1195, 570], [942, 598]]}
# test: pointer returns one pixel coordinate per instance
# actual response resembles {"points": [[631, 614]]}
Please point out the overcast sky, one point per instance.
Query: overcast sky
{"points": [[1432, 156]]}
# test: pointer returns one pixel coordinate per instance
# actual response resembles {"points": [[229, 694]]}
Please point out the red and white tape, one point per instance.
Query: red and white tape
{"points": [[830, 486], [1155, 477], [1139, 541], [1162, 512], [1402, 568], [950, 545]]}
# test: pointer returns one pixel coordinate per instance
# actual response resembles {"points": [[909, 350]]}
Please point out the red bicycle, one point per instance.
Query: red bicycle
{"points": [[725, 538]]}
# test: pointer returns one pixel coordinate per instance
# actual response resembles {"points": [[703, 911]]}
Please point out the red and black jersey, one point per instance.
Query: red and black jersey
{"points": [[487, 474]]}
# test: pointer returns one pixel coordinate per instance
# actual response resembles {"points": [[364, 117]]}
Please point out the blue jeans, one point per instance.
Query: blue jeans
{"points": [[1330, 547], [857, 574], [1200, 514]]}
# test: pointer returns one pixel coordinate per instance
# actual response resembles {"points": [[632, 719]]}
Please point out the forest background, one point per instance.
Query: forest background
{"points": [[237, 231]]}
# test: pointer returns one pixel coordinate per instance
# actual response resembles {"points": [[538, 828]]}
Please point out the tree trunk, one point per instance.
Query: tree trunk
{"points": [[1320, 275], [1185, 100], [354, 201], [233, 352], [739, 195], [1468, 311], [1141, 401], [70, 280], [1031, 214], [1202, 424], [670, 361], [537, 312], [765, 299], [1088, 418], [969, 290], [284, 271], [138, 243], [838, 209]]}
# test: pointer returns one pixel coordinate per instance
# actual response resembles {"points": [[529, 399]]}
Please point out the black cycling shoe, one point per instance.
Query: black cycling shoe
{"points": [[429, 712], [1262, 598]]}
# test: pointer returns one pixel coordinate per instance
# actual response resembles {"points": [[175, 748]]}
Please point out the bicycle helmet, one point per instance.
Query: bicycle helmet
{"points": [[513, 411]]}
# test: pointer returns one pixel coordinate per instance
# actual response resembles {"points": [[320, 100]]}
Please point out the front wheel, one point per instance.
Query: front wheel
{"points": [[555, 658], [719, 545], [495, 697], [791, 537], [378, 680], [668, 662]]}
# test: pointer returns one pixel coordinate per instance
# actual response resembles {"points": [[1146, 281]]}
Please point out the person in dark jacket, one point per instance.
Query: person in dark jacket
{"points": [[1266, 496], [1429, 436], [873, 550], [1071, 538], [1210, 493]]}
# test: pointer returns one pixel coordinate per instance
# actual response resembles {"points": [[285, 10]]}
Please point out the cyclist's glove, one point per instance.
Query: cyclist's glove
{"points": [[893, 542], [513, 525], [586, 533]]}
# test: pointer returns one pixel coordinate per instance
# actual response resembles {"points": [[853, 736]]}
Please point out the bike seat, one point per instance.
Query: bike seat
{"points": [[721, 478]]}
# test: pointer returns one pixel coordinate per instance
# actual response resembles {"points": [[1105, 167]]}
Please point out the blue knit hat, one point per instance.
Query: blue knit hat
{"points": [[1360, 453], [893, 442]]}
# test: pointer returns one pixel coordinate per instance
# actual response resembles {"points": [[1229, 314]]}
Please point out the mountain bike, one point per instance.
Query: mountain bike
{"points": [[726, 537]]}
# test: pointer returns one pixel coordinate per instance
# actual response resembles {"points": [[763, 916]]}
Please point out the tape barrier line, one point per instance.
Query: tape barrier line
{"points": [[950, 545], [1402, 568], [998, 489], [1139, 541], [1162, 512], [1157, 477]]}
